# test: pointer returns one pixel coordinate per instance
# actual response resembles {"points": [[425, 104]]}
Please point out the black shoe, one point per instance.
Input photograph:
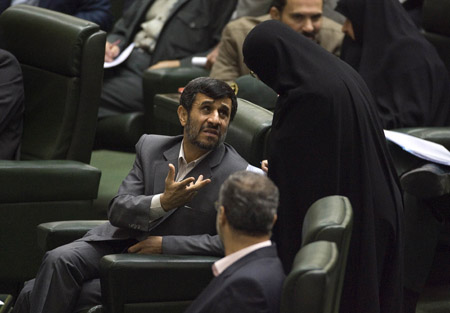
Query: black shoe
{"points": [[427, 182]]}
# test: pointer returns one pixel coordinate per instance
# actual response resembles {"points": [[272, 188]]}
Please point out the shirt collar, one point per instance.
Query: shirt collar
{"points": [[221, 265], [183, 167]]}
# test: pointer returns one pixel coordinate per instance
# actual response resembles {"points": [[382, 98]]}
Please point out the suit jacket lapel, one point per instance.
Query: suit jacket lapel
{"points": [[210, 162], [162, 167], [176, 6]]}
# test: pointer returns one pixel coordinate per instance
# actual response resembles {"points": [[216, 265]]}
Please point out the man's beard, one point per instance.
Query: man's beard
{"points": [[192, 135]]}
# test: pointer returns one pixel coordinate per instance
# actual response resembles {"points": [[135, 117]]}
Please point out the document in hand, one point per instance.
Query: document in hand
{"points": [[120, 58], [421, 148]]}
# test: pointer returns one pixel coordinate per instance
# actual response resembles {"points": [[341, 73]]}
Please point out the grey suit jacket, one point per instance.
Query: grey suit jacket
{"points": [[194, 26], [129, 211]]}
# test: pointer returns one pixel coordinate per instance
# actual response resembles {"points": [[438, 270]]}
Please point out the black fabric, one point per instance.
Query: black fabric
{"points": [[127, 79], [326, 140], [407, 78], [11, 105]]}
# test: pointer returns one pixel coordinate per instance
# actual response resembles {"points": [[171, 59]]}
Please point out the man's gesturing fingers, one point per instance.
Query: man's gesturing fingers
{"points": [[199, 184]]}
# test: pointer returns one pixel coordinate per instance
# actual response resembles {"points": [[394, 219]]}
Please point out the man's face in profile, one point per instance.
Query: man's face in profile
{"points": [[303, 16]]}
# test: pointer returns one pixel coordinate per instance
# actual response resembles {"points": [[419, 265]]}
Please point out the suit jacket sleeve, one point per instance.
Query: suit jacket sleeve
{"points": [[97, 11], [11, 105], [226, 66], [197, 245], [126, 27], [194, 28], [130, 208]]}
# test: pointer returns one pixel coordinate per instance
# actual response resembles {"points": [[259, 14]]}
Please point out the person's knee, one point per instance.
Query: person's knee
{"points": [[63, 255], [22, 304]]}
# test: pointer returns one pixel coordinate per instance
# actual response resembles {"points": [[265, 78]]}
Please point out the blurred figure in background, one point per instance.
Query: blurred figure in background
{"points": [[402, 69], [97, 11]]}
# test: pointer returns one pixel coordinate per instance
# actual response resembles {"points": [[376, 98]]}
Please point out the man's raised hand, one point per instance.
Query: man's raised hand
{"points": [[179, 193]]}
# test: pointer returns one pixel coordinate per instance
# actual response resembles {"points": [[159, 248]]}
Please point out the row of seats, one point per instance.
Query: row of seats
{"points": [[62, 63], [174, 281]]}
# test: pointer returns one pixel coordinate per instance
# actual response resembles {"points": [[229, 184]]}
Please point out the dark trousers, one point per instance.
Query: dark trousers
{"points": [[122, 85], [68, 278]]}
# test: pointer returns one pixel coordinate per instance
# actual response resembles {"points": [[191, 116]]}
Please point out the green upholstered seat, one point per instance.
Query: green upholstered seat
{"points": [[122, 132], [331, 219], [152, 283], [310, 286], [255, 91], [62, 63]]}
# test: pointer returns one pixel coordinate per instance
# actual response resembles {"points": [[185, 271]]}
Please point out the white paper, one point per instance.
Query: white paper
{"points": [[120, 58], [199, 61], [255, 169], [421, 148], [1, 302]]}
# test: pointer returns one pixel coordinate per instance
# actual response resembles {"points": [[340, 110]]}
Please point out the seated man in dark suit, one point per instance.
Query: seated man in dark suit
{"points": [[250, 276], [171, 189], [162, 31], [97, 11]]}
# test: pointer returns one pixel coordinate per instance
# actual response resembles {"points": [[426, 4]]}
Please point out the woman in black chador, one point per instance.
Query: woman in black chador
{"points": [[408, 80], [326, 140]]}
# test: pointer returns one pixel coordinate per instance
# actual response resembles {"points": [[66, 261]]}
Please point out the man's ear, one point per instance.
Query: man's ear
{"points": [[182, 115], [222, 216], [275, 217], [275, 13]]}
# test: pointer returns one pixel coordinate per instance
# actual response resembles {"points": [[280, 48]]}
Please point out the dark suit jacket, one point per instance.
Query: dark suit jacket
{"points": [[253, 284], [97, 11], [11, 105], [129, 210], [193, 27]]}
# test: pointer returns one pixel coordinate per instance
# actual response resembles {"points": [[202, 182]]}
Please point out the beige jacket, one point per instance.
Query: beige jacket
{"points": [[230, 61]]}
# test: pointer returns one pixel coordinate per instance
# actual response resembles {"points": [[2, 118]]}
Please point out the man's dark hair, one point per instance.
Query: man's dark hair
{"points": [[279, 4], [250, 201], [210, 87]]}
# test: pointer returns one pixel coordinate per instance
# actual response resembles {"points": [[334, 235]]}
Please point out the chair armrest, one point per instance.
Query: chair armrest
{"points": [[47, 180], [132, 279], [439, 135], [405, 161], [54, 234]]}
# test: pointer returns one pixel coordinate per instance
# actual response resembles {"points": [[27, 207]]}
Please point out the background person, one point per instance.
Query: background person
{"points": [[402, 69], [97, 11], [174, 30], [304, 16]]}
